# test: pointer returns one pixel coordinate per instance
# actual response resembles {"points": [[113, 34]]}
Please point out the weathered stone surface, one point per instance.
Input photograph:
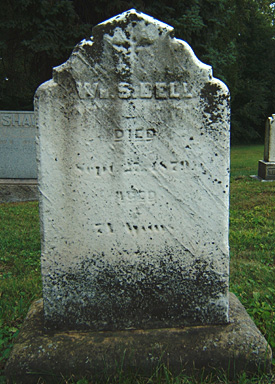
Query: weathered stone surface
{"points": [[235, 347], [266, 170], [266, 167], [134, 182], [17, 145], [15, 190]]}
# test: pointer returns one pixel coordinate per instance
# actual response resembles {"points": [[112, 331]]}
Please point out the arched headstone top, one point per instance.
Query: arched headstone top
{"points": [[134, 47]]}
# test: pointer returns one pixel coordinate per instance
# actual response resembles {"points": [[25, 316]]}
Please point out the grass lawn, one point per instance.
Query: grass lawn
{"points": [[252, 238]]}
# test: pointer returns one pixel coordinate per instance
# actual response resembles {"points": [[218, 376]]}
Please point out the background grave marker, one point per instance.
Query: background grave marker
{"points": [[266, 167], [17, 145]]}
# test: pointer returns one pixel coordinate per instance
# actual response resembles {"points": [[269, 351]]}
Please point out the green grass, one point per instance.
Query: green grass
{"points": [[252, 238], [244, 160], [20, 279]]}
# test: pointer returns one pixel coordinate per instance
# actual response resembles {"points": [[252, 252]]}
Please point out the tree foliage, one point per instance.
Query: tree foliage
{"points": [[236, 37], [35, 35]]}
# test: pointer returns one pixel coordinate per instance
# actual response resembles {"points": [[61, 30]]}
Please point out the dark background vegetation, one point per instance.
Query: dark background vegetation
{"points": [[236, 37]]}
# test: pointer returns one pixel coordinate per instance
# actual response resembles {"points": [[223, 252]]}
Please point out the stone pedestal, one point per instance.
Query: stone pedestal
{"points": [[15, 190], [235, 347], [266, 170]]}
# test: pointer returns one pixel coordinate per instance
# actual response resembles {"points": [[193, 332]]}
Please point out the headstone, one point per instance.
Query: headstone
{"points": [[17, 145], [134, 182], [133, 176], [266, 168]]}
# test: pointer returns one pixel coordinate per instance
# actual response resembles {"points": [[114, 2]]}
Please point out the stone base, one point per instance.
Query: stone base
{"points": [[256, 177], [266, 170], [15, 190], [235, 347]]}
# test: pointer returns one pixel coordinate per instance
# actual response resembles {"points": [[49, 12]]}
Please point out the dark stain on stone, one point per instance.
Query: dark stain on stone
{"points": [[122, 296], [126, 45], [213, 101], [95, 50]]}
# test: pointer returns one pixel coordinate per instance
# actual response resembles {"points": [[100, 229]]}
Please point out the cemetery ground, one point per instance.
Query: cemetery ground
{"points": [[252, 235]]}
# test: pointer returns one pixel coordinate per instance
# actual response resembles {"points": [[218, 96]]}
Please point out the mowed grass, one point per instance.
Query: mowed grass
{"points": [[244, 160], [252, 238], [20, 277]]}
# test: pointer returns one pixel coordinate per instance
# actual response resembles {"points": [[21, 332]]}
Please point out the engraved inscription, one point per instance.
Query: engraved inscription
{"points": [[97, 170], [173, 165], [271, 171], [146, 90], [12, 119], [130, 228], [151, 228], [124, 90], [136, 196], [167, 166], [101, 170], [91, 90], [103, 228], [142, 90], [137, 134]]}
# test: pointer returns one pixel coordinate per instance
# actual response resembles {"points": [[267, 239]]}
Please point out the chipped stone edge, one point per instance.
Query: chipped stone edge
{"points": [[205, 68], [121, 17]]}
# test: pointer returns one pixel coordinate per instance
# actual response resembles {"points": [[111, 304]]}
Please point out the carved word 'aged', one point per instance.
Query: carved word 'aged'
{"points": [[143, 90], [136, 196]]}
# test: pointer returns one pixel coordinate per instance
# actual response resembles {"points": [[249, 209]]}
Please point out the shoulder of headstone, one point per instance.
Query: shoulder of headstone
{"points": [[44, 87]]}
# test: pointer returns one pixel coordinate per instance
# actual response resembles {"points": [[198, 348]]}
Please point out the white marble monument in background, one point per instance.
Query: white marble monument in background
{"points": [[266, 168], [134, 182]]}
